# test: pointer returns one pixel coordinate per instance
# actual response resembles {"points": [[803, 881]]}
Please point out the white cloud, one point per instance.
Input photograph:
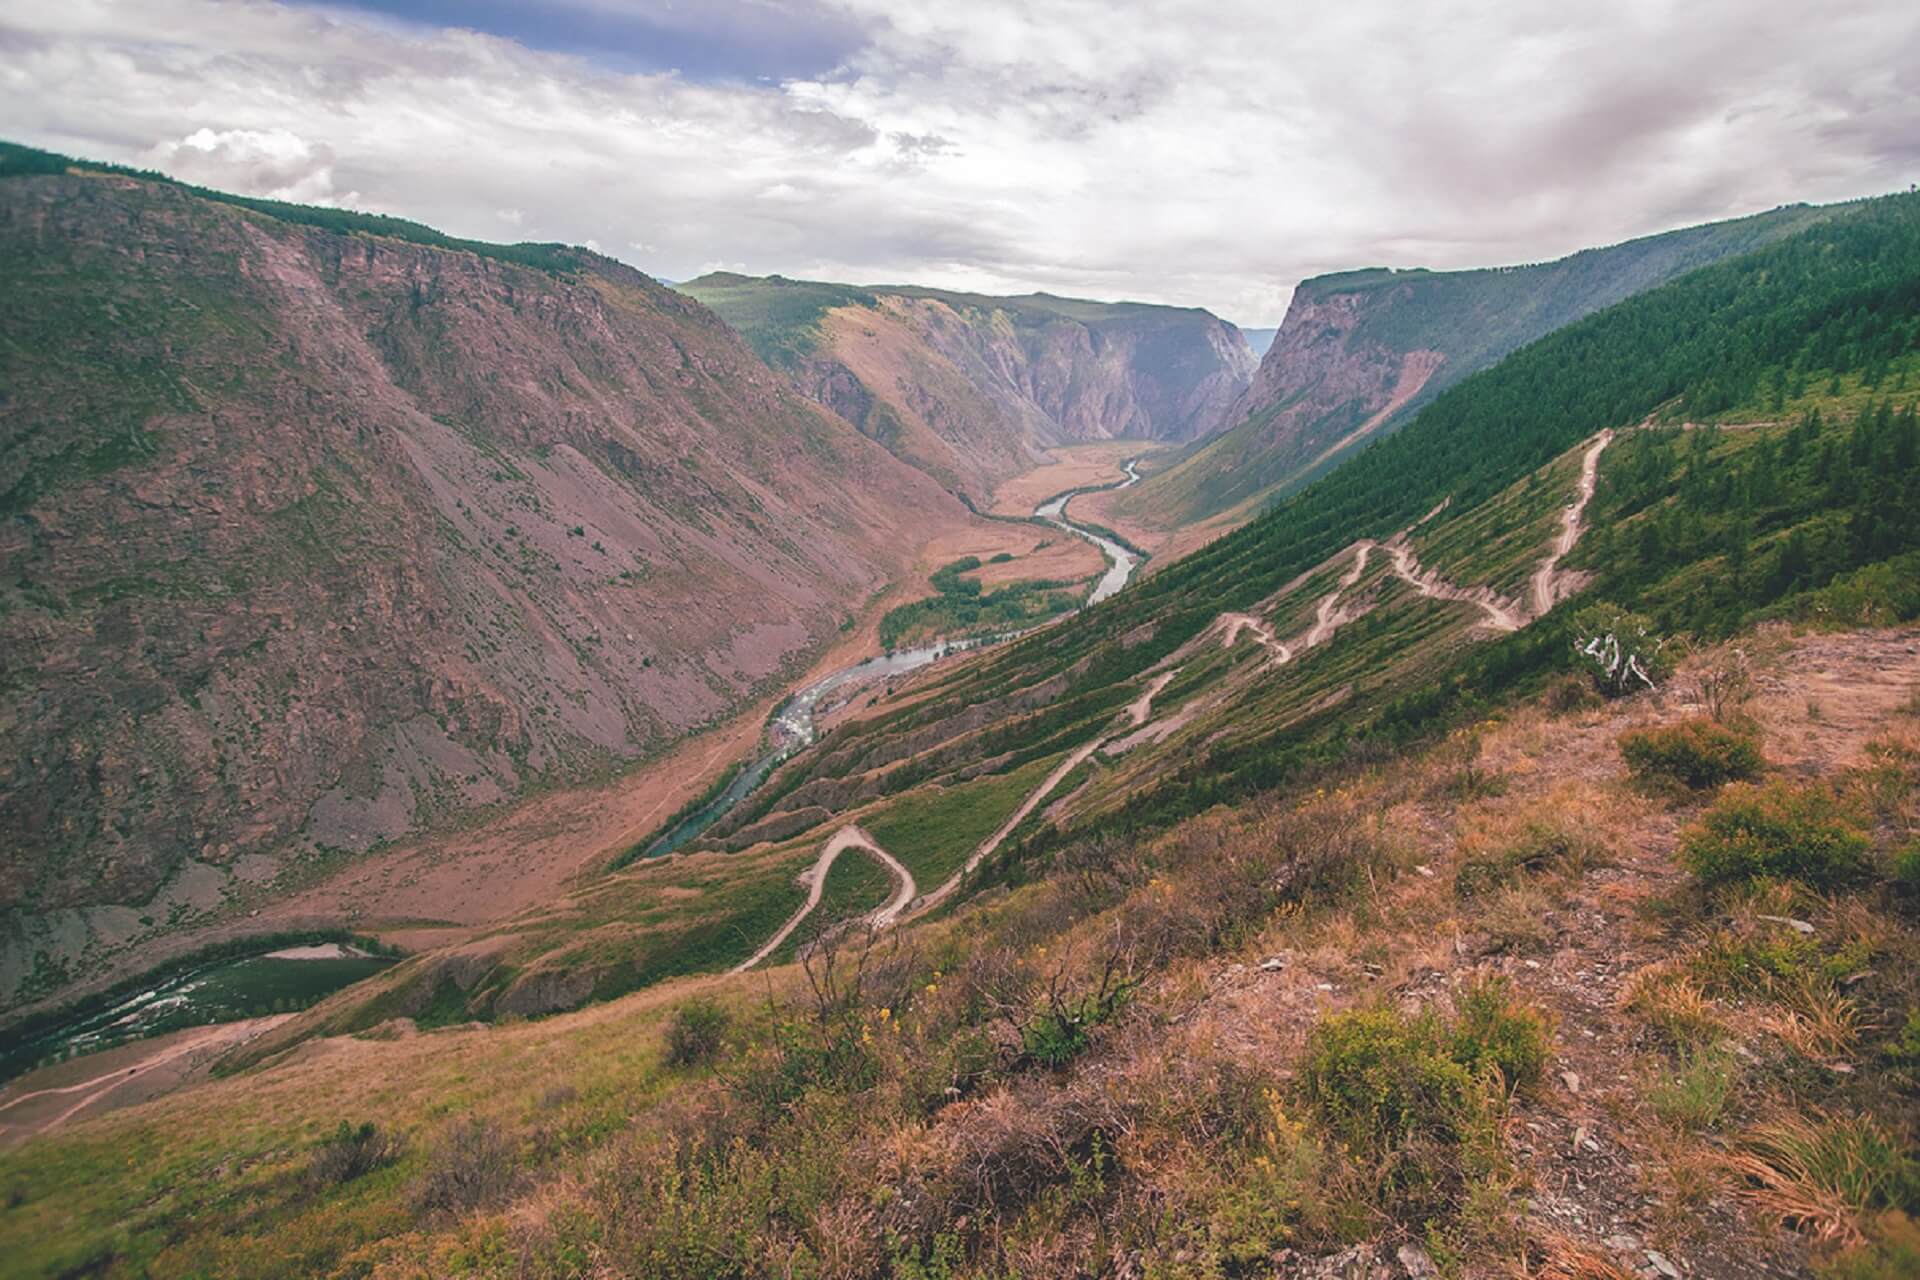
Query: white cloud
{"points": [[1206, 153], [276, 163]]}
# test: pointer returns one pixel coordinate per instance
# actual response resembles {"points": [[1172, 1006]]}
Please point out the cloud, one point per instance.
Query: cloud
{"points": [[275, 163], [1202, 153]]}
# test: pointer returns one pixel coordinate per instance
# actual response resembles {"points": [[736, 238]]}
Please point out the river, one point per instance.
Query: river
{"points": [[793, 730], [295, 978]]}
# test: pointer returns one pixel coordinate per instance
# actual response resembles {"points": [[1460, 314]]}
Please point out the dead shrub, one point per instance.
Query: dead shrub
{"points": [[474, 1165], [350, 1152]]}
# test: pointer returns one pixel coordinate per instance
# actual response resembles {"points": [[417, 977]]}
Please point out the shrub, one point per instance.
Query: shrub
{"points": [[1696, 754], [1491, 1030], [698, 1032], [350, 1152], [1779, 830], [1413, 1101], [1378, 1078], [474, 1165]]}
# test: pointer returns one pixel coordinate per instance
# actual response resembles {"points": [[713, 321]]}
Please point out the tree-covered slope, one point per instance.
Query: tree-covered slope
{"points": [[1361, 352]]}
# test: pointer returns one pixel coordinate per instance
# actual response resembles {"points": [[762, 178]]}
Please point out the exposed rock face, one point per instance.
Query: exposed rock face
{"points": [[312, 539], [968, 387], [1360, 351]]}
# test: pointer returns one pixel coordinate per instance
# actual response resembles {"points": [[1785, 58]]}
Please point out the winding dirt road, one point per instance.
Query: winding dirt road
{"points": [[1546, 590], [140, 1070], [1501, 615], [847, 837], [896, 909], [1327, 618], [1235, 623]]}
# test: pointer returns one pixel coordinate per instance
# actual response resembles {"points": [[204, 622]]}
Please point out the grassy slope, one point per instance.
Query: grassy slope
{"points": [[1216, 1143]]}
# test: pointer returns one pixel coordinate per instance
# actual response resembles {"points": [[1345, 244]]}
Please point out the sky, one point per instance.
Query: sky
{"points": [[1195, 153]]}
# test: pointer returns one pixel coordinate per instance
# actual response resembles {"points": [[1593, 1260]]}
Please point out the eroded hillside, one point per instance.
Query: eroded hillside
{"points": [[316, 538], [970, 387]]}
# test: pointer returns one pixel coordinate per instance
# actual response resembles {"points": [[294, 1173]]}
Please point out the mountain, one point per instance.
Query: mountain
{"points": [[968, 387], [1259, 341], [321, 529], [1360, 351], [1377, 606], [1337, 901]]}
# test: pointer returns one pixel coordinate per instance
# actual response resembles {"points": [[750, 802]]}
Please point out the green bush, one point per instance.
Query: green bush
{"points": [[1780, 830], [1491, 1030], [1696, 754], [1415, 1102], [1378, 1078], [1906, 865], [698, 1032]]}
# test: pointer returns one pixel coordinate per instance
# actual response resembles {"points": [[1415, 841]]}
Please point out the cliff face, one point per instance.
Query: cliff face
{"points": [[969, 387], [1359, 352], [311, 539]]}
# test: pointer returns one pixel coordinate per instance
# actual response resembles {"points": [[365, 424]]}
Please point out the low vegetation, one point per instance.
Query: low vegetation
{"points": [[1695, 755], [964, 609], [1784, 830]]}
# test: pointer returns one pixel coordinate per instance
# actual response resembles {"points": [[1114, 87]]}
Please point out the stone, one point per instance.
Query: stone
{"points": [[1418, 1265], [1661, 1266]]}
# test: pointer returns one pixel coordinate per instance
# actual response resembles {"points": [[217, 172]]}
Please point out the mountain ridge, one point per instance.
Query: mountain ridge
{"points": [[320, 537], [971, 387], [1361, 350]]}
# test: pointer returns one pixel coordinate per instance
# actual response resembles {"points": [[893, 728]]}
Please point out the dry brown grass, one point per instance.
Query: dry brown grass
{"points": [[1668, 998]]}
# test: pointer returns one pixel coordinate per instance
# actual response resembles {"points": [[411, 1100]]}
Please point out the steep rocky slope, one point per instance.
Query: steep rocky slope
{"points": [[313, 538], [968, 387], [1360, 351]]}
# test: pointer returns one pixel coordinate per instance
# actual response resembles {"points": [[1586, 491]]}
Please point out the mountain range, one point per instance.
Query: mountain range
{"points": [[1483, 844]]}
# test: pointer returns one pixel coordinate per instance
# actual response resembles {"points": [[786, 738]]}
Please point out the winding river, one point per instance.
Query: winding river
{"points": [[792, 728]]}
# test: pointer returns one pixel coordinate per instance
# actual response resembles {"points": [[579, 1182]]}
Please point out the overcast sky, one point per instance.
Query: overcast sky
{"points": [[1206, 153]]}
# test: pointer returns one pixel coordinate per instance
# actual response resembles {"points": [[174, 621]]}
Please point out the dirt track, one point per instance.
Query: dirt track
{"points": [[847, 837], [1545, 589]]}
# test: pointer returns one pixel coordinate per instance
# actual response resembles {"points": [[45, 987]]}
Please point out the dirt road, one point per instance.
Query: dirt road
{"points": [[847, 837]]}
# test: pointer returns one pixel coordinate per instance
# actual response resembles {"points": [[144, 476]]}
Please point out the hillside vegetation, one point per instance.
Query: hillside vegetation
{"points": [[1362, 352], [1501, 858]]}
